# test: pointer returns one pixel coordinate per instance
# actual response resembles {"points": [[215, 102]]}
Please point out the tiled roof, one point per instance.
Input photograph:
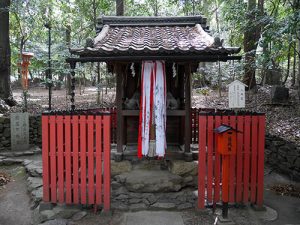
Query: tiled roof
{"points": [[144, 36]]}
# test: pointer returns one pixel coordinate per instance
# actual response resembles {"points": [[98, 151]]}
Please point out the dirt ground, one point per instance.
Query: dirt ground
{"points": [[14, 199]]}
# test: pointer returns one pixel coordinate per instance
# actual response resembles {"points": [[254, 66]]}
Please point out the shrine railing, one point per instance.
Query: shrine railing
{"points": [[246, 167], [76, 157]]}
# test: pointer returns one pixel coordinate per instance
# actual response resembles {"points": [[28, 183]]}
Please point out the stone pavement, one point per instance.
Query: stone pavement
{"points": [[153, 218]]}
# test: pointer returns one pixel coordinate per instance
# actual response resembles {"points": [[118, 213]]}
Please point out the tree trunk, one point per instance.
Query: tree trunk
{"points": [[120, 7], [299, 69], [5, 64], [293, 82], [251, 37], [288, 65]]}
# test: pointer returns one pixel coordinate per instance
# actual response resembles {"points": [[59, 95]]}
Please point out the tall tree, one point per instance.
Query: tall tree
{"points": [[251, 37], [5, 64], [120, 7]]}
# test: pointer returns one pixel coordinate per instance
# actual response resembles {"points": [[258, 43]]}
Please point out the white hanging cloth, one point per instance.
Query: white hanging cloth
{"points": [[152, 108]]}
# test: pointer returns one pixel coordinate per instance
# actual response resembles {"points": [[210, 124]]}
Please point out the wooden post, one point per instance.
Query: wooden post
{"points": [[119, 96], [187, 89]]}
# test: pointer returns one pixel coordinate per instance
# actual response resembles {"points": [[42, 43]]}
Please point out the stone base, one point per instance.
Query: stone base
{"points": [[188, 156], [118, 156], [258, 208], [224, 221], [46, 206]]}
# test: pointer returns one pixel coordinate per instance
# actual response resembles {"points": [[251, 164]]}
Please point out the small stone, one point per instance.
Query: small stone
{"points": [[185, 206], [163, 205], [121, 197], [34, 183], [134, 200], [188, 179], [181, 168], [120, 167], [152, 199], [79, 215], [139, 206], [55, 222], [119, 206], [115, 185]]}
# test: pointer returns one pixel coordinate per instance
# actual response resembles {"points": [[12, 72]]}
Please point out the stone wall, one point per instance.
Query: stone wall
{"points": [[283, 156], [153, 184], [35, 132]]}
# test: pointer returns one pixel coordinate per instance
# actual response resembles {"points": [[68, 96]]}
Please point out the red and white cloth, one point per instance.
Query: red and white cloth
{"points": [[152, 107]]}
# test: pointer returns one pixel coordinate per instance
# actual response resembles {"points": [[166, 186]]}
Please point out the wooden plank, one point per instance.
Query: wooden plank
{"points": [[53, 172], [82, 168], [202, 161], [60, 157], [106, 145], [239, 158], [187, 140], [210, 135], [99, 141], [91, 192], [246, 171], [260, 168], [232, 167], [75, 149], [254, 145], [45, 158], [119, 96], [67, 138], [217, 170], [225, 161]]}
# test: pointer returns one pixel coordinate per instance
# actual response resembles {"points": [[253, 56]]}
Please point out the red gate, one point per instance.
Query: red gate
{"points": [[76, 158], [246, 166]]}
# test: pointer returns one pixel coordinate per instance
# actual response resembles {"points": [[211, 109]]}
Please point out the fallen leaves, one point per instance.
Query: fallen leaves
{"points": [[4, 179]]}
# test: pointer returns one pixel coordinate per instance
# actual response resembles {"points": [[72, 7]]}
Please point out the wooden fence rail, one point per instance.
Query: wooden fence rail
{"points": [[76, 158], [246, 166]]}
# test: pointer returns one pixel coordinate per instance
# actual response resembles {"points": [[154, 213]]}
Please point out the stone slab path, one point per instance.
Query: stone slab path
{"points": [[153, 218], [14, 200]]}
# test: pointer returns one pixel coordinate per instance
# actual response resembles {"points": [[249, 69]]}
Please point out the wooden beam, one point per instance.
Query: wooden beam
{"points": [[119, 96], [187, 89], [171, 58]]}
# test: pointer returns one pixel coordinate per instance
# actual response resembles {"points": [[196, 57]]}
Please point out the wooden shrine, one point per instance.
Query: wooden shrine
{"points": [[125, 42]]}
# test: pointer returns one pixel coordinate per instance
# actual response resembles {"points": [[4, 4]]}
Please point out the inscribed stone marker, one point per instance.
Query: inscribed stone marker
{"points": [[19, 126]]}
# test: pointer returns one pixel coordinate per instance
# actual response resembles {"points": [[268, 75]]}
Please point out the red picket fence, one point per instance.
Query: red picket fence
{"points": [[113, 127], [76, 158], [246, 166]]}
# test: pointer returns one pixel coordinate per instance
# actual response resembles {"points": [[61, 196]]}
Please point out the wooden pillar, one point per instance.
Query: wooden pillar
{"points": [[187, 89], [119, 99]]}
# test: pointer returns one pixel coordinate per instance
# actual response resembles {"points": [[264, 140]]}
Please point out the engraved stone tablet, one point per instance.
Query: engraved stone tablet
{"points": [[236, 94], [19, 126]]}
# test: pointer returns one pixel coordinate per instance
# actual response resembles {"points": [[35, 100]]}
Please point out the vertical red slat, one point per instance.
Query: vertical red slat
{"points": [[217, 169], [83, 165], [210, 135], [225, 120], [106, 140], [75, 148], [67, 139], [261, 148], [201, 161], [45, 156], [239, 158], [98, 160], [60, 157], [246, 174], [254, 135], [91, 194], [232, 167], [53, 158]]}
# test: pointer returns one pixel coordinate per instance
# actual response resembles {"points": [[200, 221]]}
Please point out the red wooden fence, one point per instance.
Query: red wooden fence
{"points": [[246, 167], [76, 159]]}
